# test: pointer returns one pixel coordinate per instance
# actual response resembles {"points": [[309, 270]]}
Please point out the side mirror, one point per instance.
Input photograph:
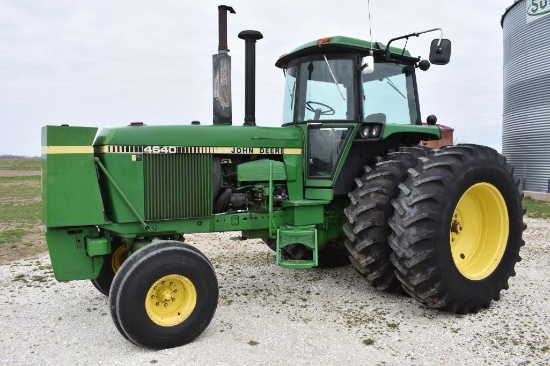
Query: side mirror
{"points": [[368, 65], [440, 51]]}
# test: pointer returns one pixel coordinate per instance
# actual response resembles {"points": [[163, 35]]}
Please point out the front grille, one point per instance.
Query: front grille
{"points": [[177, 186]]}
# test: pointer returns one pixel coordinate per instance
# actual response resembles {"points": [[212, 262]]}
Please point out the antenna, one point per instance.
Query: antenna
{"points": [[370, 27], [368, 66]]}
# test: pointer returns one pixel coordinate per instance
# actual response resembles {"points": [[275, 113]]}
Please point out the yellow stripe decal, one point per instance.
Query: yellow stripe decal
{"points": [[67, 150], [239, 150]]}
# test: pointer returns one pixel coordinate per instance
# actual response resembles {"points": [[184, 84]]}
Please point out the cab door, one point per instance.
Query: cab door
{"points": [[327, 145]]}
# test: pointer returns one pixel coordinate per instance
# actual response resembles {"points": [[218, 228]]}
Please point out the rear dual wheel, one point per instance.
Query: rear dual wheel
{"points": [[457, 228], [164, 295], [370, 209]]}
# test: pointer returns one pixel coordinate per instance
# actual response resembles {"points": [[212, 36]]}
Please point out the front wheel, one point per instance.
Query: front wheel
{"points": [[457, 228], [164, 295]]}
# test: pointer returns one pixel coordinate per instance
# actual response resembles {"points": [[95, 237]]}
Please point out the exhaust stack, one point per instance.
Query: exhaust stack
{"points": [[250, 37], [221, 71]]}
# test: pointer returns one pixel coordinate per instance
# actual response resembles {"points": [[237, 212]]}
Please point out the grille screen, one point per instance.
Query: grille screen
{"points": [[177, 186]]}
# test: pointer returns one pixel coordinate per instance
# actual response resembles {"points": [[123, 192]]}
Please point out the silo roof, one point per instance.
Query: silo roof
{"points": [[507, 11]]}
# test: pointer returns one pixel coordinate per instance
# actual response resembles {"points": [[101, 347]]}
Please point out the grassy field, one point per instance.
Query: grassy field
{"points": [[20, 164], [21, 232]]}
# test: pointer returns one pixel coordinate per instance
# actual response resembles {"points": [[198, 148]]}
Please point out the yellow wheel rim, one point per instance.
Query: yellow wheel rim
{"points": [[171, 300], [479, 231], [116, 258]]}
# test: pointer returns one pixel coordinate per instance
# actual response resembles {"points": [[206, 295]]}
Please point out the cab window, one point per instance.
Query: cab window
{"points": [[324, 150], [319, 90], [388, 95]]}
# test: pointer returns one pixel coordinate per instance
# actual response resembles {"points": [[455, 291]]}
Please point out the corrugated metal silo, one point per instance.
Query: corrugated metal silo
{"points": [[526, 117]]}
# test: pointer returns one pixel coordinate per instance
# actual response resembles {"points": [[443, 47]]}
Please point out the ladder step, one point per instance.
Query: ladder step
{"points": [[306, 236]]}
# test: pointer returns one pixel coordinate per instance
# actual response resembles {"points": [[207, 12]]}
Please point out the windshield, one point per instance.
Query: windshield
{"points": [[389, 95], [325, 91]]}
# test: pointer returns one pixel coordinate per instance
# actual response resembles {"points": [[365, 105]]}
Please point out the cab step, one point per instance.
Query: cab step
{"points": [[305, 235]]}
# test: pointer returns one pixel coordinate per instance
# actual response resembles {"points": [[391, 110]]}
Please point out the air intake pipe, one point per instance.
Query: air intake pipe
{"points": [[250, 37], [221, 72]]}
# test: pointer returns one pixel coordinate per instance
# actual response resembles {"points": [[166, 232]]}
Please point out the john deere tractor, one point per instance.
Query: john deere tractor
{"points": [[343, 179]]}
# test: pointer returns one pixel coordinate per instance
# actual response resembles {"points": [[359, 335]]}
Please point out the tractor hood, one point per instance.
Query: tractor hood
{"points": [[203, 136]]}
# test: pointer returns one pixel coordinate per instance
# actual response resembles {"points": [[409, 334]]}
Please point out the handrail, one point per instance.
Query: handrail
{"points": [[124, 198]]}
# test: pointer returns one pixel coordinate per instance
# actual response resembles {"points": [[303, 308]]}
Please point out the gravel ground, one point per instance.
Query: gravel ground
{"points": [[273, 316]]}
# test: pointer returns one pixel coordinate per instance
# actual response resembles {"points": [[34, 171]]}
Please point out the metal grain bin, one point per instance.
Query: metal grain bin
{"points": [[526, 115]]}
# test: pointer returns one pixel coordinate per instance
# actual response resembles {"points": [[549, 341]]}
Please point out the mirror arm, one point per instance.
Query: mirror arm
{"points": [[416, 34]]}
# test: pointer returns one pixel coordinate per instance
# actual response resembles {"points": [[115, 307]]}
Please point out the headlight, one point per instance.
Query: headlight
{"points": [[371, 131], [374, 132]]}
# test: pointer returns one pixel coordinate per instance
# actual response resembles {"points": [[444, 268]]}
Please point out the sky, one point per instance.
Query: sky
{"points": [[106, 63]]}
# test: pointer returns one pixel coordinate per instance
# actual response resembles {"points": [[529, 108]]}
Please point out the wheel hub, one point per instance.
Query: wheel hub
{"points": [[171, 300], [479, 231], [456, 227]]}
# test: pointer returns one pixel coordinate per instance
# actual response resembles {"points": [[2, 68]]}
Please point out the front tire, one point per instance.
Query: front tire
{"points": [[457, 228], [164, 295]]}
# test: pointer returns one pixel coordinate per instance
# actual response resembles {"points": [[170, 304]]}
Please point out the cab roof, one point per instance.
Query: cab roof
{"points": [[339, 44]]}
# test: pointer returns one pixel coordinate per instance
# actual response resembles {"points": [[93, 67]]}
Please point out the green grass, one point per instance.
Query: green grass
{"points": [[23, 214], [537, 209], [20, 199], [11, 236], [20, 164], [21, 233], [19, 188]]}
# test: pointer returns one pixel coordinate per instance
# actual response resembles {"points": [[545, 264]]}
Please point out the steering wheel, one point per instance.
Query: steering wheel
{"points": [[319, 112]]}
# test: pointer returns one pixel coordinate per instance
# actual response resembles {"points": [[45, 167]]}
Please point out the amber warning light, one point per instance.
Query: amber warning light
{"points": [[323, 40]]}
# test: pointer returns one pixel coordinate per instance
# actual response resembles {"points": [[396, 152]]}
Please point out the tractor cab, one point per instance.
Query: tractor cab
{"points": [[342, 92], [329, 83]]}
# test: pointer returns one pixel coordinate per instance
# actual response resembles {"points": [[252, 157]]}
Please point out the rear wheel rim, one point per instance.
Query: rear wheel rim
{"points": [[479, 231], [171, 300]]}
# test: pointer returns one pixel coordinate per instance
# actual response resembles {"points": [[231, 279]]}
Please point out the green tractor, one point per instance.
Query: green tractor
{"points": [[344, 179]]}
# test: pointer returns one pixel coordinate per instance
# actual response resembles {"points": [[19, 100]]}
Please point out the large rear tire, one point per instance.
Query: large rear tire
{"points": [[164, 295], [457, 228], [370, 208]]}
